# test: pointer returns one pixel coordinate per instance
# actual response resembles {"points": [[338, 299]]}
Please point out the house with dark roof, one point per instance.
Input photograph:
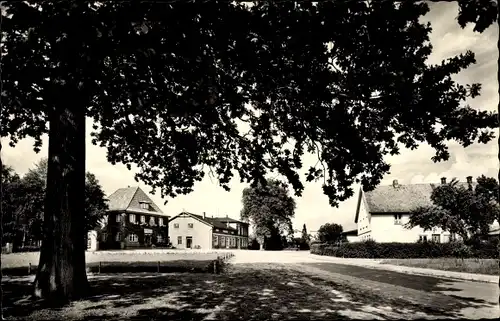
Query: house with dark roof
{"points": [[382, 213], [188, 230], [133, 220]]}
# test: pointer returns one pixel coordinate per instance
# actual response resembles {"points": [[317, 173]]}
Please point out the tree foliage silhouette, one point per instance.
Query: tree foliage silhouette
{"points": [[170, 86], [467, 211]]}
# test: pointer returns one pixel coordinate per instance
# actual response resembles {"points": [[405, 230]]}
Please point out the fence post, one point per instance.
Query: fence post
{"points": [[158, 266], [99, 269], [29, 268], [215, 267]]}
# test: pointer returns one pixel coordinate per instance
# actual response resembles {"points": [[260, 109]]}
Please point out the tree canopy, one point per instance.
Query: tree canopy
{"points": [[183, 88], [330, 233], [347, 82], [270, 210], [24, 198], [467, 211]]}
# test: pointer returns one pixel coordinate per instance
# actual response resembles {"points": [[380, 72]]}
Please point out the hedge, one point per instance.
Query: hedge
{"points": [[371, 249]]}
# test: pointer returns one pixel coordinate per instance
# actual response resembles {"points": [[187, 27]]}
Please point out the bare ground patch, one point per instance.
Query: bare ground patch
{"points": [[243, 292]]}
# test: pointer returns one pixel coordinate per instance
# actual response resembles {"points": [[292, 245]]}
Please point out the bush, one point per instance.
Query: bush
{"points": [[371, 249]]}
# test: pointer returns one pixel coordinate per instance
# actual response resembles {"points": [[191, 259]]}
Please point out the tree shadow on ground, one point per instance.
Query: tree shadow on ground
{"points": [[244, 293]]}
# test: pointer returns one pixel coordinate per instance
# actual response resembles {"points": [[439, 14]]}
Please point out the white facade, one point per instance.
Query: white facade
{"points": [[386, 228], [184, 227], [92, 244]]}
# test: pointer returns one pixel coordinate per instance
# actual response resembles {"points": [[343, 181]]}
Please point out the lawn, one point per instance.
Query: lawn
{"points": [[18, 263], [243, 292], [477, 266]]}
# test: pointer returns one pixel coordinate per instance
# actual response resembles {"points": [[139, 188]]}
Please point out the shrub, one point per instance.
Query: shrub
{"points": [[371, 249]]}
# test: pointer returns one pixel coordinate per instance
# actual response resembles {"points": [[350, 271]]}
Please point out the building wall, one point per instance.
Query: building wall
{"points": [[352, 238], [364, 226], [200, 232], [383, 229], [230, 241]]}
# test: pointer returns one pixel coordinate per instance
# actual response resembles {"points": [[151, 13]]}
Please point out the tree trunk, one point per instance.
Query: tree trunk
{"points": [[61, 275]]}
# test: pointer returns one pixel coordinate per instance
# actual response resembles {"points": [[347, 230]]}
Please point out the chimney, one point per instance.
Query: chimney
{"points": [[227, 216], [395, 183], [443, 180], [469, 182], [204, 215]]}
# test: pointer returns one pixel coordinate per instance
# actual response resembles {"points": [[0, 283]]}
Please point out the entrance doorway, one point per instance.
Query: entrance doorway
{"points": [[189, 242]]}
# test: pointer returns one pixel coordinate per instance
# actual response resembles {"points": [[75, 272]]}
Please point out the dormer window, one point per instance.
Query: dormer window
{"points": [[144, 205]]}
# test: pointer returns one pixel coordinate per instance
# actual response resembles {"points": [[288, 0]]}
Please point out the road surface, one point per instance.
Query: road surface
{"points": [[385, 292]]}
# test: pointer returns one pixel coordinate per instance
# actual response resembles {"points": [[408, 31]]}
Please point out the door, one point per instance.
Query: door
{"points": [[189, 242], [147, 240]]}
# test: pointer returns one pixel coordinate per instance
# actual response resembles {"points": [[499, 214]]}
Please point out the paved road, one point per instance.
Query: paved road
{"points": [[431, 297]]}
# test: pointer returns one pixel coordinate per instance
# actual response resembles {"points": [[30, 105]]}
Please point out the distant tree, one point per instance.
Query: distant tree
{"points": [[270, 210], [330, 233], [458, 209], [167, 84], [13, 194], [305, 236], [35, 182]]}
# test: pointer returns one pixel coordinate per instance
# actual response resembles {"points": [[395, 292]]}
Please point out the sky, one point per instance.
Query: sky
{"points": [[447, 38]]}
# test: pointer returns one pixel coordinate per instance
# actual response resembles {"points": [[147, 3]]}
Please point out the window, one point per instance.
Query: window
{"points": [[89, 243], [436, 238], [176, 225], [397, 219], [144, 205], [131, 218], [179, 240], [224, 231], [104, 237], [143, 219], [190, 225], [118, 237], [151, 220], [159, 238], [216, 230], [422, 238], [118, 218], [222, 241], [160, 221], [133, 238], [216, 240]]}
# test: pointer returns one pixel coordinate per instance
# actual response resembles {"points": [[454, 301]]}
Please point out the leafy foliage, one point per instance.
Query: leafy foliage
{"points": [[466, 211], [330, 233], [305, 236], [168, 85], [24, 199], [371, 249], [481, 13], [269, 209], [12, 193]]}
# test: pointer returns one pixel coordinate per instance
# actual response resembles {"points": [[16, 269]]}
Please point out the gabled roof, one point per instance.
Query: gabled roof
{"points": [[129, 199], [217, 222], [397, 199]]}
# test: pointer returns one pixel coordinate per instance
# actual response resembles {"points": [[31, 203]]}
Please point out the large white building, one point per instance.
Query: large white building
{"points": [[382, 213], [188, 230]]}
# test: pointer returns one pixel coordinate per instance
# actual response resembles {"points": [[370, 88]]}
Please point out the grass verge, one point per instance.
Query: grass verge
{"points": [[476, 266]]}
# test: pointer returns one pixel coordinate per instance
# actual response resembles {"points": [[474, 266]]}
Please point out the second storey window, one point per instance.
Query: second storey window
{"points": [[160, 221], [143, 219], [397, 219], [144, 205], [176, 225], [132, 218], [190, 225], [118, 218]]}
